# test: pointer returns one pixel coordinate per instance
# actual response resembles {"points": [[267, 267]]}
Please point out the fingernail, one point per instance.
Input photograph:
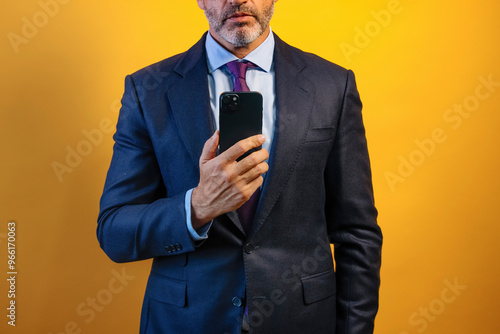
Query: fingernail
{"points": [[262, 138]]}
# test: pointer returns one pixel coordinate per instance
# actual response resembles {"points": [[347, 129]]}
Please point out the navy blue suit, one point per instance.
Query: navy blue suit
{"points": [[318, 190]]}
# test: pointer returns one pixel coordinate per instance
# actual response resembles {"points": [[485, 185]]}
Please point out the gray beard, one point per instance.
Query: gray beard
{"points": [[249, 33]]}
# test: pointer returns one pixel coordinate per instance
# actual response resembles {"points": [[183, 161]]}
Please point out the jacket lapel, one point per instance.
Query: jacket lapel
{"points": [[190, 102], [294, 98]]}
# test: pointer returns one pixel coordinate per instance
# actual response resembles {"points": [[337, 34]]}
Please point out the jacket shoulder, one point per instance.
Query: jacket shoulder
{"points": [[165, 65], [307, 59], [173, 66]]}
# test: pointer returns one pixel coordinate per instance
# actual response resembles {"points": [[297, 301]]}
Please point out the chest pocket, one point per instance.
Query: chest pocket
{"points": [[320, 134]]}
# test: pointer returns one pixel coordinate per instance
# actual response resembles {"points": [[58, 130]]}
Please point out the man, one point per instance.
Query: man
{"points": [[169, 196]]}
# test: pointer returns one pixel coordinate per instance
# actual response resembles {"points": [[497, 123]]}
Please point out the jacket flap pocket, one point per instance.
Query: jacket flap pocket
{"points": [[166, 290], [318, 287], [320, 134]]}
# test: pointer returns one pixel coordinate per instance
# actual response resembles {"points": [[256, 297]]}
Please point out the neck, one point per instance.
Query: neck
{"points": [[243, 51]]}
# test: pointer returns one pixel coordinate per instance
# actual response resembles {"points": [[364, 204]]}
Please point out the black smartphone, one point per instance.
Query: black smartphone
{"points": [[240, 117]]}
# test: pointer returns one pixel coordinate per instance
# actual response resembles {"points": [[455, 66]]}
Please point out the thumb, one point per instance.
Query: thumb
{"points": [[210, 148]]}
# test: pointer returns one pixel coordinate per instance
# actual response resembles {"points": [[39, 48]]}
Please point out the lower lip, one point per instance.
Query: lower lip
{"points": [[240, 18]]}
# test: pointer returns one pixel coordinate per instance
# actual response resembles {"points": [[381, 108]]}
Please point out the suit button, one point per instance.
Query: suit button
{"points": [[237, 301], [249, 248], [178, 247]]}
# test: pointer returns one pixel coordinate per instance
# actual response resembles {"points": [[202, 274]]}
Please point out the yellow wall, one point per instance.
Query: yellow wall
{"points": [[435, 171]]}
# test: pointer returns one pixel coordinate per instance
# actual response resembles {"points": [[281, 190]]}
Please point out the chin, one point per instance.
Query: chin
{"points": [[242, 37]]}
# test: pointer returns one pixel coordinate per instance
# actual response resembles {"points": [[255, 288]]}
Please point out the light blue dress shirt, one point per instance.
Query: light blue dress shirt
{"points": [[220, 80]]}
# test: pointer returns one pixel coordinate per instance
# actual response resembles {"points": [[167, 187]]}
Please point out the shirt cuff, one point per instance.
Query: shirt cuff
{"points": [[202, 232]]}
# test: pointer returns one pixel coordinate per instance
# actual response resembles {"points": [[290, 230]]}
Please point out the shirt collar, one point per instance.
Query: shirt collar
{"points": [[262, 56]]}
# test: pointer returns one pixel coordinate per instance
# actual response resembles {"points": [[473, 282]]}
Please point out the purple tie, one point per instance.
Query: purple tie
{"points": [[239, 71], [247, 211]]}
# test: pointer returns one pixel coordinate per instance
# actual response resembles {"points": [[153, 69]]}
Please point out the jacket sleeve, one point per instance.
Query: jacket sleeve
{"points": [[137, 219], [352, 220]]}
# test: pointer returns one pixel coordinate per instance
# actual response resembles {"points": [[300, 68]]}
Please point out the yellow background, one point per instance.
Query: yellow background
{"points": [[440, 224]]}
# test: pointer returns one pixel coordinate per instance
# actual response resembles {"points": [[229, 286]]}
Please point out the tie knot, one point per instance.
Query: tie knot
{"points": [[239, 68], [239, 71]]}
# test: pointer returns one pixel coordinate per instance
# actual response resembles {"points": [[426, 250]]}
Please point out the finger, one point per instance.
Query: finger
{"points": [[255, 172], [210, 148], [238, 149], [251, 161], [255, 184], [244, 192]]}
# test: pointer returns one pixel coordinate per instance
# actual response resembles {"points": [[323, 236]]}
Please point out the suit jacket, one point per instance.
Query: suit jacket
{"points": [[317, 191]]}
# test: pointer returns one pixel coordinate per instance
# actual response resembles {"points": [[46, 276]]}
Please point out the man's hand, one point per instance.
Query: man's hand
{"points": [[226, 184]]}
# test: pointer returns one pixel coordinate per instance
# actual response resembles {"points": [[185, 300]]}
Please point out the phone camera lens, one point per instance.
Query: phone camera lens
{"points": [[231, 103], [234, 106]]}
